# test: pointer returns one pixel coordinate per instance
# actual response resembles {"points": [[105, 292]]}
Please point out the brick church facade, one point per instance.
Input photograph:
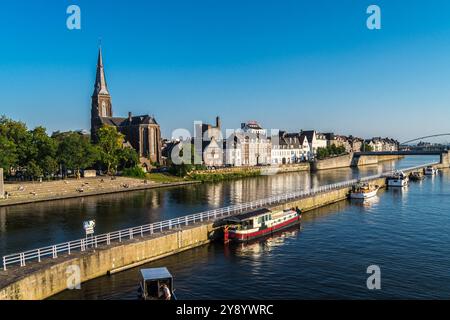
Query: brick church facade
{"points": [[141, 132]]}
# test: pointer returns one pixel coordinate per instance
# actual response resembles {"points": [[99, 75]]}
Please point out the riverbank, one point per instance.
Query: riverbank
{"points": [[224, 174], [31, 192]]}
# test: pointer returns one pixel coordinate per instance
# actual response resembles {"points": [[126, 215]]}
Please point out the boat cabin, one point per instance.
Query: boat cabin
{"points": [[151, 282], [251, 220]]}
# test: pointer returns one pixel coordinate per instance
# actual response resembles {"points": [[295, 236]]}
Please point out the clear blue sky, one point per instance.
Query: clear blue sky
{"points": [[288, 64]]}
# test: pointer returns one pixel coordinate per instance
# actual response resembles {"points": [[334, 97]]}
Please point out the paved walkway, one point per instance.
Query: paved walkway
{"points": [[28, 192]]}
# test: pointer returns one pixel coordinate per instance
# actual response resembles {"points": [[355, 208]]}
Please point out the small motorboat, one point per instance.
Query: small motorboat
{"points": [[154, 282], [416, 176], [363, 191], [430, 171], [398, 179]]}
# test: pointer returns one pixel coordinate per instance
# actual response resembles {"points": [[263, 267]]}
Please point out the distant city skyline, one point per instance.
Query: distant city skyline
{"points": [[291, 65]]}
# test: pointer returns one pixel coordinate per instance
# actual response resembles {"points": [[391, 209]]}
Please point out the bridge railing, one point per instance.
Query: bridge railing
{"points": [[107, 239]]}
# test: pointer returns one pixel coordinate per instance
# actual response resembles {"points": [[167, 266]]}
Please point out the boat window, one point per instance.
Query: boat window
{"points": [[152, 288]]}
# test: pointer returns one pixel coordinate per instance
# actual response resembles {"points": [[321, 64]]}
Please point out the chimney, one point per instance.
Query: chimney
{"points": [[130, 116], [218, 122]]}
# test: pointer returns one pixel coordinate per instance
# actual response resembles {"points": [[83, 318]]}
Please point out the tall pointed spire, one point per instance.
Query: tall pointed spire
{"points": [[101, 86]]}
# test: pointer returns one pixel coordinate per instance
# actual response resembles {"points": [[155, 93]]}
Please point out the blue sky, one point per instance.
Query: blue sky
{"points": [[288, 64]]}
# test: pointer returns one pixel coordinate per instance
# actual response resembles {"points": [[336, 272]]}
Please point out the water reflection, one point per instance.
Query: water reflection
{"points": [[262, 246], [366, 203]]}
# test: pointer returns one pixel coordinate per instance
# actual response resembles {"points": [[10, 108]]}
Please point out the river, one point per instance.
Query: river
{"points": [[405, 232]]}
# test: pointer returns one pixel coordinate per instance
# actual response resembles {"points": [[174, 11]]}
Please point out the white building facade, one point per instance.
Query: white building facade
{"points": [[290, 148]]}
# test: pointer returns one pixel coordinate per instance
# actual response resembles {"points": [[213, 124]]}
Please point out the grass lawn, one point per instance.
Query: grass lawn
{"points": [[164, 178]]}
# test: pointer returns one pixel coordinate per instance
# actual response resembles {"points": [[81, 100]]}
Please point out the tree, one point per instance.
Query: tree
{"points": [[33, 170], [8, 154], [110, 144], [322, 153], [76, 152], [128, 158], [43, 151], [17, 133], [366, 147]]}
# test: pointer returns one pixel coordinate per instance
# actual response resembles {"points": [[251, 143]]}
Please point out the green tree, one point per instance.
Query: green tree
{"points": [[110, 144], [42, 151], [128, 158], [33, 170], [8, 154], [17, 133], [366, 148], [322, 153], [76, 152]]}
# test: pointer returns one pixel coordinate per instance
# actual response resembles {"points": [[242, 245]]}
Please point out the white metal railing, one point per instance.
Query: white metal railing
{"points": [[118, 236]]}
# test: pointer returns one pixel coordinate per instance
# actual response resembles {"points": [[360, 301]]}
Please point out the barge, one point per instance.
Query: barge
{"points": [[259, 223]]}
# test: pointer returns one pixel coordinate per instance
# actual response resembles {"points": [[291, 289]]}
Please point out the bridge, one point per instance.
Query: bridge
{"points": [[402, 153], [424, 138]]}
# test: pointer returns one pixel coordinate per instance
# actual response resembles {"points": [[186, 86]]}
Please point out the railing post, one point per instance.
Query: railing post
{"points": [[142, 231], [39, 255], [83, 245], [95, 241], [4, 263], [120, 236], [108, 239], [186, 220], [130, 231], [55, 254], [68, 247], [170, 224], [22, 260]]}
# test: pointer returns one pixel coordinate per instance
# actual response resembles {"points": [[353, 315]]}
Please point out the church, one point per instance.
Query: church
{"points": [[141, 132]]}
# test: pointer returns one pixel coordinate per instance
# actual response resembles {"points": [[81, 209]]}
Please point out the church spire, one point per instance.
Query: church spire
{"points": [[100, 81]]}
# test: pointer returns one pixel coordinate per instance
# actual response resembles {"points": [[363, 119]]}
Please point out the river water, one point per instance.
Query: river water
{"points": [[404, 232]]}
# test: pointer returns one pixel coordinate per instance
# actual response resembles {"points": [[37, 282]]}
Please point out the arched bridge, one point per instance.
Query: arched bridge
{"points": [[424, 138]]}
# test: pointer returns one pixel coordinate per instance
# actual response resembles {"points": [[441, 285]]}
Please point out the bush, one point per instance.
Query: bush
{"points": [[134, 172]]}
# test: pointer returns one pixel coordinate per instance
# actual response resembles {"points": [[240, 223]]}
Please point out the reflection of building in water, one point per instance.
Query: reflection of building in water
{"points": [[214, 193], [246, 190], [2, 220]]}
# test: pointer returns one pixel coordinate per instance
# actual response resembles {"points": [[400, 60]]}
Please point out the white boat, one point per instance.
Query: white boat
{"points": [[430, 171], [398, 179], [363, 191]]}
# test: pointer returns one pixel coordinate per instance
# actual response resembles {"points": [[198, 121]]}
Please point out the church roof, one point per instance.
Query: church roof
{"points": [[101, 86], [122, 122]]}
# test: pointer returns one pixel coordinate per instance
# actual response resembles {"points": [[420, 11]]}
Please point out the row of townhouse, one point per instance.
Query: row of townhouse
{"points": [[252, 146], [379, 144]]}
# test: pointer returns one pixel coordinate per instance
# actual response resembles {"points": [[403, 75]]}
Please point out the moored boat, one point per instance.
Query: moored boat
{"points": [[397, 179], [430, 171], [363, 191], [416, 176], [259, 223], [156, 284]]}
